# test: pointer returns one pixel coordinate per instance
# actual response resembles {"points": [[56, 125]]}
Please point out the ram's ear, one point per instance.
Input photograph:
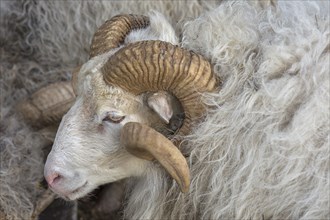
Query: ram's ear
{"points": [[161, 104]]}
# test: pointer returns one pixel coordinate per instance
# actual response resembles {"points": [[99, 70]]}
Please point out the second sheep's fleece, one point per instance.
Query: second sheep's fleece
{"points": [[262, 150]]}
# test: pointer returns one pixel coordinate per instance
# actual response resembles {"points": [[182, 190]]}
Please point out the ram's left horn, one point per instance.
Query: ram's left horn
{"points": [[48, 105]]}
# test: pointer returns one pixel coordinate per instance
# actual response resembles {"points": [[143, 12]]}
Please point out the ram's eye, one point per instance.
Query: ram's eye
{"points": [[114, 117]]}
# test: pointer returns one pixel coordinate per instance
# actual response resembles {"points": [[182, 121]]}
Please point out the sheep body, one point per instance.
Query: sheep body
{"points": [[263, 151]]}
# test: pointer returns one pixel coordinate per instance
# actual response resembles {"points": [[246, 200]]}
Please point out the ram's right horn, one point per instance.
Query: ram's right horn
{"points": [[154, 66], [146, 143]]}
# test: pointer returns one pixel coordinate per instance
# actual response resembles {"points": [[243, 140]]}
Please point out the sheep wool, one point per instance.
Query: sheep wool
{"points": [[262, 151]]}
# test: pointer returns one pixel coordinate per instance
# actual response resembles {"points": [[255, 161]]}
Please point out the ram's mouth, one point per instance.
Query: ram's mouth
{"points": [[77, 193]]}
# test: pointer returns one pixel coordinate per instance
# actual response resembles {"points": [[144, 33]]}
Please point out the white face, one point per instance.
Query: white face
{"points": [[87, 151]]}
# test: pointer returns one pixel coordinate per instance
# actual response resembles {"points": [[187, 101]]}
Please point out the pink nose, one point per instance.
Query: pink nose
{"points": [[53, 178]]}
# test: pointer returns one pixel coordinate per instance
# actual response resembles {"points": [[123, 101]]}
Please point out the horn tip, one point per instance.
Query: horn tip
{"points": [[185, 187]]}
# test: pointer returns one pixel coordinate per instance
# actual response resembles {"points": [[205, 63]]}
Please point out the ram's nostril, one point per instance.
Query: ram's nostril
{"points": [[57, 178], [53, 178]]}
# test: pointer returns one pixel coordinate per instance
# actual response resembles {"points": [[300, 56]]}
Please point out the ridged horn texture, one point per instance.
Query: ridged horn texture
{"points": [[151, 66], [146, 143], [48, 105], [112, 33]]}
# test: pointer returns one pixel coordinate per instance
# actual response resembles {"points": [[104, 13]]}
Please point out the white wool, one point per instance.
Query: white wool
{"points": [[263, 150]]}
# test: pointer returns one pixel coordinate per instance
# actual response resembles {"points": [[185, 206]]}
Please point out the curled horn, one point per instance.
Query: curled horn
{"points": [[48, 105], [112, 33], [146, 143], [151, 66]]}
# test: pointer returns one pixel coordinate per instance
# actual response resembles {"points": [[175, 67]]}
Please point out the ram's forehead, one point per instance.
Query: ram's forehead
{"points": [[110, 96]]}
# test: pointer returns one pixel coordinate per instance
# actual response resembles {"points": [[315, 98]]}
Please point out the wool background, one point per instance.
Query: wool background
{"points": [[263, 150], [40, 43]]}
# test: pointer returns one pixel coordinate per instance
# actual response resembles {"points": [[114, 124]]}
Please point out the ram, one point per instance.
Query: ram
{"points": [[251, 127], [129, 99]]}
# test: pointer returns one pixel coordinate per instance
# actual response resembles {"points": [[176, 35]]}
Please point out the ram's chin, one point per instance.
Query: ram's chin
{"points": [[80, 192]]}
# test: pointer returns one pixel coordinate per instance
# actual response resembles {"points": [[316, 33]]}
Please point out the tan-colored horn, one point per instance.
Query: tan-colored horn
{"points": [[48, 105], [146, 143], [112, 33], [151, 66]]}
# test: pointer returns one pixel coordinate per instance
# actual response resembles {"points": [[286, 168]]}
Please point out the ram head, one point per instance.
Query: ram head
{"points": [[138, 94]]}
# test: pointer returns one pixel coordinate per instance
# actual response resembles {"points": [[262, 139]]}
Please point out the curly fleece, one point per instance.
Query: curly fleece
{"points": [[263, 149]]}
